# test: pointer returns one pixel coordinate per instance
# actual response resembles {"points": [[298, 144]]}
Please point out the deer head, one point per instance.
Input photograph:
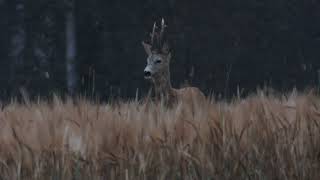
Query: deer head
{"points": [[158, 53]]}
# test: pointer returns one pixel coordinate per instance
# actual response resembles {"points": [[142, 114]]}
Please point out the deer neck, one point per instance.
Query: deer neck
{"points": [[162, 85]]}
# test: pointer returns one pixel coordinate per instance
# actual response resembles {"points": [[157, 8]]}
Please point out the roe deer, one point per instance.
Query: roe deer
{"points": [[157, 70]]}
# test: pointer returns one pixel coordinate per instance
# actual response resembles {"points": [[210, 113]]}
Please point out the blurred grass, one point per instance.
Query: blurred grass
{"points": [[259, 137]]}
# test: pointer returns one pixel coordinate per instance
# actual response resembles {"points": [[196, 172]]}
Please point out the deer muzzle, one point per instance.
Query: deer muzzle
{"points": [[147, 73]]}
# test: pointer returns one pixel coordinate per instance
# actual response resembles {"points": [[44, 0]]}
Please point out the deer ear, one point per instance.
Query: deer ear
{"points": [[147, 48]]}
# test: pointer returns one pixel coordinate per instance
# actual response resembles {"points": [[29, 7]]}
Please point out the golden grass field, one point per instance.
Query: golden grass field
{"points": [[259, 137]]}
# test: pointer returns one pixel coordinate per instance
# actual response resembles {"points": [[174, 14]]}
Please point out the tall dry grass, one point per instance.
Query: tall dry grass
{"points": [[260, 137]]}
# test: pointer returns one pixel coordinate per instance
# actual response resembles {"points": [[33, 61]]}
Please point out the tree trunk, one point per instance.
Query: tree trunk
{"points": [[319, 77], [71, 49], [17, 37], [44, 44]]}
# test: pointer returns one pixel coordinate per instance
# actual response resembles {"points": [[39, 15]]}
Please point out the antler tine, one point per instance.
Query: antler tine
{"points": [[162, 30], [162, 24], [153, 31]]}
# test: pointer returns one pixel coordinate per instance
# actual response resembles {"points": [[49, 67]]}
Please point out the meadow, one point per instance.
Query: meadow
{"points": [[261, 136]]}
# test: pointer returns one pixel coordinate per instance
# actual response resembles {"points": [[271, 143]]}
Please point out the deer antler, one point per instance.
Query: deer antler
{"points": [[153, 31], [161, 32], [163, 43], [157, 38]]}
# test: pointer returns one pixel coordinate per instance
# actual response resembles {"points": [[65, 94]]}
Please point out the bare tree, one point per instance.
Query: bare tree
{"points": [[318, 71], [44, 44], [71, 49], [17, 35]]}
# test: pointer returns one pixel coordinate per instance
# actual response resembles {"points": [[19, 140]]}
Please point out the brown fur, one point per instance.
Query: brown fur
{"points": [[190, 94]]}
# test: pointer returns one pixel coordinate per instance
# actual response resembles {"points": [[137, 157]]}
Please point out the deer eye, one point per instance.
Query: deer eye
{"points": [[158, 61]]}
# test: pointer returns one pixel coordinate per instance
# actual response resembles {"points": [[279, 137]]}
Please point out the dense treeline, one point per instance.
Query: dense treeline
{"points": [[94, 47]]}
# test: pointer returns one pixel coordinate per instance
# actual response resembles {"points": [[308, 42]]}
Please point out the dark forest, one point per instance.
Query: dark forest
{"points": [[93, 48]]}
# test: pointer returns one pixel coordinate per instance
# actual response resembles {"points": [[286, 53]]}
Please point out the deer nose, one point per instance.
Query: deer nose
{"points": [[147, 73]]}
